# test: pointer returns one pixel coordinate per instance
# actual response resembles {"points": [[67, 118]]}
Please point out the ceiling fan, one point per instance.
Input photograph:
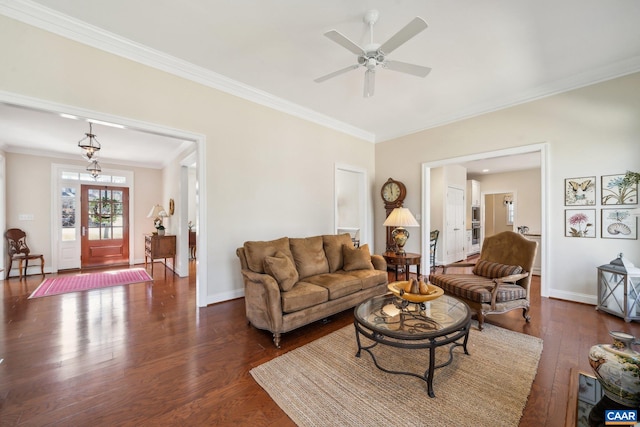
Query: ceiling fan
{"points": [[374, 54]]}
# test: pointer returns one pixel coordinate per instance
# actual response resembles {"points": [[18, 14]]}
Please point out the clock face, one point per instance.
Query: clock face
{"points": [[391, 192]]}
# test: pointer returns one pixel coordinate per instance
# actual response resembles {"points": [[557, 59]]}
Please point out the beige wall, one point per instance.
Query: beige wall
{"points": [[31, 193], [268, 174], [589, 131]]}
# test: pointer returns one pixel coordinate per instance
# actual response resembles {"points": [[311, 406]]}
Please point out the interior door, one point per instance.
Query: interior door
{"points": [[455, 231], [104, 225]]}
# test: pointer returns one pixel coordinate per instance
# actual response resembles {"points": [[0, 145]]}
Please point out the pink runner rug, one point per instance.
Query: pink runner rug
{"points": [[87, 281]]}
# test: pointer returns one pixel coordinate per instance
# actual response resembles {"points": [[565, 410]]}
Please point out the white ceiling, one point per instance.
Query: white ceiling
{"points": [[484, 55]]}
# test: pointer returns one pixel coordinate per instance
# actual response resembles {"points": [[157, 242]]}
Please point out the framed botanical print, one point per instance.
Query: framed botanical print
{"points": [[580, 223], [619, 224], [580, 191], [617, 191]]}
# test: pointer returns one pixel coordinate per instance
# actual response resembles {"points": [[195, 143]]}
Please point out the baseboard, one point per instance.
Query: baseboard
{"points": [[224, 296], [574, 296]]}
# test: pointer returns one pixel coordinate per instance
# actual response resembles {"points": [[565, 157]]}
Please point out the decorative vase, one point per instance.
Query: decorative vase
{"points": [[617, 368], [160, 232]]}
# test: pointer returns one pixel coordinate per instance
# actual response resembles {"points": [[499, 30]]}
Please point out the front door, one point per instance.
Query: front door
{"points": [[104, 225]]}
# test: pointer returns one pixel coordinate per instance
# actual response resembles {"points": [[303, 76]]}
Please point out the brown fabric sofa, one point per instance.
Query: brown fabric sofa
{"points": [[291, 282]]}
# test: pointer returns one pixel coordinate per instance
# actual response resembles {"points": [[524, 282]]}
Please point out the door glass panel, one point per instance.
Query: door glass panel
{"points": [[68, 203], [105, 213], [118, 232]]}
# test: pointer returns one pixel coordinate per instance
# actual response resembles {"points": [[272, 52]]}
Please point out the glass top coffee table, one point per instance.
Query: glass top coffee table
{"points": [[392, 321]]}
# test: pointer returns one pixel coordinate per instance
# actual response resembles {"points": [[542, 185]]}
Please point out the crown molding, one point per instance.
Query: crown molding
{"points": [[577, 81], [36, 15]]}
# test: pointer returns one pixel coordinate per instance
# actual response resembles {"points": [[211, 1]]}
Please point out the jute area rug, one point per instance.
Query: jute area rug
{"points": [[83, 282], [324, 384]]}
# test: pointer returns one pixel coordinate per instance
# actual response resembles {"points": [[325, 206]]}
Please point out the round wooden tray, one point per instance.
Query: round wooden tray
{"points": [[434, 292]]}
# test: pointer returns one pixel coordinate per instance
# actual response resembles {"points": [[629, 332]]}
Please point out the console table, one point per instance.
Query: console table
{"points": [[404, 260], [156, 246]]}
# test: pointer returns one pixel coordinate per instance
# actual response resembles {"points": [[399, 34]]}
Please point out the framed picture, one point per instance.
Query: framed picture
{"points": [[580, 191], [580, 223], [619, 224], [615, 191]]}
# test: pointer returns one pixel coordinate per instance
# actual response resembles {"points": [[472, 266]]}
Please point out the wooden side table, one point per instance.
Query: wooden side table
{"points": [[404, 260], [156, 246]]}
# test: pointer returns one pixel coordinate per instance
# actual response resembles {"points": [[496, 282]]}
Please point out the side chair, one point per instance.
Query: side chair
{"points": [[500, 280], [18, 250]]}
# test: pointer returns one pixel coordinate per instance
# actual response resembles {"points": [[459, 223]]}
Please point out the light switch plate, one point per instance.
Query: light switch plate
{"points": [[25, 217]]}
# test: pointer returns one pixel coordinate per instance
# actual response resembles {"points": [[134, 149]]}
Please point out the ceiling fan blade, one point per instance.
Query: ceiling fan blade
{"points": [[369, 83], [410, 30], [344, 42], [335, 73], [404, 67]]}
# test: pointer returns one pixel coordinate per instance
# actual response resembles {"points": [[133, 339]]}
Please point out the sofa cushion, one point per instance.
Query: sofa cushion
{"points": [[282, 269], [308, 254], [357, 258], [369, 278], [494, 270], [476, 288], [338, 285], [303, 295], [255, 252], [333, 249]]}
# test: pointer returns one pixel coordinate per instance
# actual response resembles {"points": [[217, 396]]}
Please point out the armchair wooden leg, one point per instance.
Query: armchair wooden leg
{"points": [[480, 315]]}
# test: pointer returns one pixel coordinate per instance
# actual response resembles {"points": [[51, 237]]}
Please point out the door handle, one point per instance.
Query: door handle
{"points": [[84, 230]]}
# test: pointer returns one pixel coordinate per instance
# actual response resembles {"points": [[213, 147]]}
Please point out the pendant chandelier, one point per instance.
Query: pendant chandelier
{"points": [[90, 148], [89, 145], [94, 169]]}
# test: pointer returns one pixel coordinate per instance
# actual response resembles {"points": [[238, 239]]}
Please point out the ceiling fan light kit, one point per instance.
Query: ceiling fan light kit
{"points": [[374, 54]]}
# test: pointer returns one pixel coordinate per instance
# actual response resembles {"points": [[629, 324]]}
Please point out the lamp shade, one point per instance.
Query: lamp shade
{"points": [[157, 212], [401, 217]]}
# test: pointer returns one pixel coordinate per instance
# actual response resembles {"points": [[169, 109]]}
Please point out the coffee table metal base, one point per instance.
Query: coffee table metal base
{"points": [[431, 344]]}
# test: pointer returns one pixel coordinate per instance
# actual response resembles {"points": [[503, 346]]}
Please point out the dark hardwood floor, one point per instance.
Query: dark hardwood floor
{"points": [[144, 355]]}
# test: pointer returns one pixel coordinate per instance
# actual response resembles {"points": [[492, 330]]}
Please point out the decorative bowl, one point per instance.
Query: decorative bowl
{"points": [[397, 287]]}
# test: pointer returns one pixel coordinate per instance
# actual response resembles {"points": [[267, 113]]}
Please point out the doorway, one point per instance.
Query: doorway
{"points": [[351, 201], [499, 213], [104, 225], [542, 149]]}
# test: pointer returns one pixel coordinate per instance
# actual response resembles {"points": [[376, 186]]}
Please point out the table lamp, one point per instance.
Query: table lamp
{"points": [[400, 218], [157, 213]]}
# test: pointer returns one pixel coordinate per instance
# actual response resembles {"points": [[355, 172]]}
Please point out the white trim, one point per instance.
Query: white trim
{"points": [[543, 148], [586, 78], [365, 211], [3, 210], [50, 20]]}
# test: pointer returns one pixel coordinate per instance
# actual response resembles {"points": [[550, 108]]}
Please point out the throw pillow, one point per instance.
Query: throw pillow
{"points": [[356, 258], [494, 270], [256, 251], [333, 249], [308, 255], [282, 269]]}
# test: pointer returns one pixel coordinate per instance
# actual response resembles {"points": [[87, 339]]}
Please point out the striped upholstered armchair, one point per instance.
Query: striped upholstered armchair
{"points": [[500, 280]]}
